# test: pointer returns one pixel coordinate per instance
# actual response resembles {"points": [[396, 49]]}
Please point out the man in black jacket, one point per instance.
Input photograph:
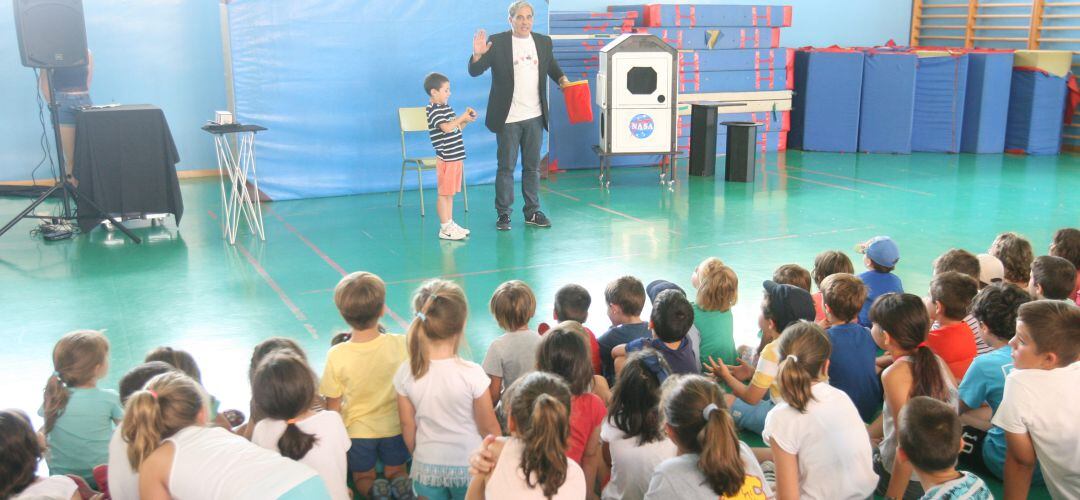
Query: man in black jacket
{"points": [[517, 106]]}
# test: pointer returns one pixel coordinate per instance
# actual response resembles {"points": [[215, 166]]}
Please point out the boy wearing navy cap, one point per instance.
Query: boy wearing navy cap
{"points": [[881, 256]]}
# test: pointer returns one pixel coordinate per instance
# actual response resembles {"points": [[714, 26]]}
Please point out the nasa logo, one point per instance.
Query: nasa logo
{"points": [[641, 126]]}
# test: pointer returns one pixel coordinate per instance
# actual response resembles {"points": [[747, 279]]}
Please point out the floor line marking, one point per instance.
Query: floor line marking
{"points": [[864, 181], [261, 271], [605, 209], [826, 184], [326, 258], [624, 256]]}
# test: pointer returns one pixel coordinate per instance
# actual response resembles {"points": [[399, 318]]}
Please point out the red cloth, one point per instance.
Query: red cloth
{"points": [[587, 412], [578, 102], [955, 344], [1073, 99]]}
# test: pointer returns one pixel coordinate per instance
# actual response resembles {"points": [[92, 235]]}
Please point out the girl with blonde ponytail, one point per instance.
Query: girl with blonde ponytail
{"points": [[178, 456], [79, 417], [532, 462], [443, 400], [712, 461], [816, 428]]}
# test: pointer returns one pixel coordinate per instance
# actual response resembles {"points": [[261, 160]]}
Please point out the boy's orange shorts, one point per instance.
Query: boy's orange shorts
{"points": [[449, 174]]}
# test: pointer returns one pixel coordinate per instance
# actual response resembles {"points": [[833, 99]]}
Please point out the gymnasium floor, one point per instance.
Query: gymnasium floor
{"points": [[189, 289]]}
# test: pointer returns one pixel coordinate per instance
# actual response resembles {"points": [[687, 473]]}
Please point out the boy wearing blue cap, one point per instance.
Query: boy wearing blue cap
{"points": [[881, 256]]}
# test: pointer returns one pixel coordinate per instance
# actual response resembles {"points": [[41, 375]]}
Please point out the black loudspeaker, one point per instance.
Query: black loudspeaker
{"points": [[51, 33], [702, 139]]}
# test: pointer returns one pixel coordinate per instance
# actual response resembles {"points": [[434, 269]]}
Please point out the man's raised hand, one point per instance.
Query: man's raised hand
{"points": [[480, 45]]}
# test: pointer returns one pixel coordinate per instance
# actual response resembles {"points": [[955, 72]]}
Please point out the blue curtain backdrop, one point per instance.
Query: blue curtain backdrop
{"points": [[326, 78]]}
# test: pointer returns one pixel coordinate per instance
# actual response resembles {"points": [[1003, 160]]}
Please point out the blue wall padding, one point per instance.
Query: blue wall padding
{"points": [[825, 108], [940, 87], [326, 77], [888, 102], [1036, 113], [737, 59], [725, 38], [709, 15], [986, 105]]}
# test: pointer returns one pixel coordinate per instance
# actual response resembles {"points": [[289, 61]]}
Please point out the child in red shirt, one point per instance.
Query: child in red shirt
{"points": [[950, 298]]}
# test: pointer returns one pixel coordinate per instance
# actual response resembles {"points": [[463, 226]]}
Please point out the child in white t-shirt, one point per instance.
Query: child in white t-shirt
{"points": [[532, 462], [711, 460], [22, 452], [632, 435], [1039, 409], [443, 400], [816, 428], [283, 387]]}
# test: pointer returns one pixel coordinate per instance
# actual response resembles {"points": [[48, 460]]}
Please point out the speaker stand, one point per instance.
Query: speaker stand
{"points": [[62, 184]]}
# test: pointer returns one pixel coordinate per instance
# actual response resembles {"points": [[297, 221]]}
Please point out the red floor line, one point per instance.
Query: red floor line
{"points": [[273, 285], [331, 262], [863, 181]]}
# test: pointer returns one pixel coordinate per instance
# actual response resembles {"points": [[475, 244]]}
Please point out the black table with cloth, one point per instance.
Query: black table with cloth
{"points": [[125, 162]]}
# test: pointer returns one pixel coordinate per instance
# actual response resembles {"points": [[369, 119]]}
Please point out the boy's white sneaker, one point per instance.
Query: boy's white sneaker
{"points": [[450, 232], [455, 224]]}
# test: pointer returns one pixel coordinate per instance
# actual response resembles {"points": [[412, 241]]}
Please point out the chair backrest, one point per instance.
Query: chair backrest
{"points": [[413, 119]]}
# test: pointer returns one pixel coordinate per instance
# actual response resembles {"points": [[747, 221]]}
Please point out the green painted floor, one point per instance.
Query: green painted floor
{"points": [[187, 288]]}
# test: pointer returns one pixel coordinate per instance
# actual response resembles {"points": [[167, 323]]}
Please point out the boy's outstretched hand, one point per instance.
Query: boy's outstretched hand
{"points": [[480, 45], [741, 371]]}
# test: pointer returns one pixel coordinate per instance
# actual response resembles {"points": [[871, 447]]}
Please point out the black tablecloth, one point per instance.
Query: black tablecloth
{"points": [[125, 161]]}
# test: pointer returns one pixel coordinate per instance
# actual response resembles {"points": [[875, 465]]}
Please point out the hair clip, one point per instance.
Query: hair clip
{"points": [[707, 412], [652, 362], [793, 358], [922, 344], [153, 393], [291, 421], [422, 316], [59, 378]]}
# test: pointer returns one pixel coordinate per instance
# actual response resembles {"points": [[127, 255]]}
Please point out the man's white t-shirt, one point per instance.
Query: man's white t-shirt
{"points": [[1043, 403], [525, 103], [830, 436]]}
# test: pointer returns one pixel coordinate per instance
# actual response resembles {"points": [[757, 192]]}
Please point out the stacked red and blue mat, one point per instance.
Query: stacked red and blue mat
{"points": [[723, 48]]}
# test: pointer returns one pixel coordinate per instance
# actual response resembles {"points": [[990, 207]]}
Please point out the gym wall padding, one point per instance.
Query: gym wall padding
{"points": [[825, 108], [327, 77], [940, 88], [1036, 113], [986, 105], [888, 102]]}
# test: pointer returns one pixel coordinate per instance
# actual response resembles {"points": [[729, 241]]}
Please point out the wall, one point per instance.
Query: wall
{"points": [[814, 22], [165, 52]]}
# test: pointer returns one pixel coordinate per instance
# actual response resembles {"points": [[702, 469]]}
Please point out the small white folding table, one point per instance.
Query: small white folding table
{"points": [[236, 170]]}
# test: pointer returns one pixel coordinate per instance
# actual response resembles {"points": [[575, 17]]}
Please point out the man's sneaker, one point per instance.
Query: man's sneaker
{"points": [[451, 232], [538, 219], [455, 224], [503, 224]]}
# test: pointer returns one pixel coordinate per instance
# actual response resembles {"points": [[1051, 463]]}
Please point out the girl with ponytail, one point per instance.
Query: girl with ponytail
{"points": [[532, 462], [632, 435], [443, 400], [178, 456], [816, 428], [711, 460], [283, 387], [79, 417], [901, 324]]}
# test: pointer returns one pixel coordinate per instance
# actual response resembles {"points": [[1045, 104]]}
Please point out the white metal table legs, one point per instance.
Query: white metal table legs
{"points": [[236, 200]]}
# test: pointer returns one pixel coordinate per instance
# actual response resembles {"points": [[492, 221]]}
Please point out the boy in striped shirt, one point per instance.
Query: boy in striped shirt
{"points": [[445, 127]]}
